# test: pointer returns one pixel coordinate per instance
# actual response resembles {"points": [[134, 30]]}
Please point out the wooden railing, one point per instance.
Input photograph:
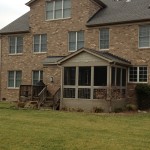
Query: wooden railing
{"points": [[42, 96], [56, 99]]}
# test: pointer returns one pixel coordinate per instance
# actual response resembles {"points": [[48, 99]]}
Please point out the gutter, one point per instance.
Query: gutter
{"points": [[117, 23]]}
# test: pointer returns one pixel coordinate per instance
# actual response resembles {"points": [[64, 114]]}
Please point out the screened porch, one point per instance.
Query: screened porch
{"points": [[94, 82]]}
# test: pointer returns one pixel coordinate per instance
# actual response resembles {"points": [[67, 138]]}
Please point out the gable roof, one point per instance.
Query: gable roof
{"points": [[19, 25], [99, 2], [52, 60], [121, 12], [105, 55]]}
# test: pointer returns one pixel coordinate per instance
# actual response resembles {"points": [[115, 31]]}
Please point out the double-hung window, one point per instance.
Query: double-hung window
{"points": [[104, 38], [15, 44], [76, 40], [138, 74], [40, 43], [14, 79], [58, 9], [144, 36], [37, 75]]}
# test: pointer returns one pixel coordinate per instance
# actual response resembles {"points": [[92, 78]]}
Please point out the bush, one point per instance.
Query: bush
{"points": [[143, 96], [118, 110], [98, 110], [131, 107]]}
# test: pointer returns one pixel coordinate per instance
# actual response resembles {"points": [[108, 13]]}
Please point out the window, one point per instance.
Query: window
{"points": [[15, 44], [100, 76], [144, 36], [69, 75], [37, 76], [58, 9], [104, 38], [76, 40], [138, 74], [84, 76], [40, 43], [14, 79]]}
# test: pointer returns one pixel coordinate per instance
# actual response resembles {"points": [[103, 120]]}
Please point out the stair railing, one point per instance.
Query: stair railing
{"points": [[56, 99], [42, 96]]}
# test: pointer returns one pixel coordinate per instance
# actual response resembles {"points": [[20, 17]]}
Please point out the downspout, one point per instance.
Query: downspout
{"points": [[61, 86], [0, 65]]}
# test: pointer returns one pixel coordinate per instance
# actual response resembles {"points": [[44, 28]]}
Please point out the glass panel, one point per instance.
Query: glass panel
{"points": [[84, 93], [72, 41], [142, 74], [58, 9], [43, 43], [35, 77], [69, 75], [85, 76], [124, 80], [118, 76], [100, 76], [36, 43], [69, 93], [11, 79], [144, 36], [49, 10], [133, 74], [113, 76], [19, 44], [41, 75], [80, 39], [12, 44], [104, 39], [18, 78], [67, 8]]}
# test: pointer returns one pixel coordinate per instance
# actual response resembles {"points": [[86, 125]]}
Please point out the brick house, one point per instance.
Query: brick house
{"points": [[95, 51]]}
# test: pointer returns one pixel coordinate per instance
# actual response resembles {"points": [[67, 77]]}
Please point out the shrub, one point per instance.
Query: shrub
{"points": [[98, 110], [80, 110], [143, 96], [131, 107], [118, 110]]}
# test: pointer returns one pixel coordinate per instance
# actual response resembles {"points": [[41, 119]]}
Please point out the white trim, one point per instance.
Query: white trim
{"points": [[137, 75]]}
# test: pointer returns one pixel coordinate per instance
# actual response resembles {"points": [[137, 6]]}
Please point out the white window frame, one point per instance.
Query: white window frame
{"points": [[39, 75], [76, 40], [100, 39], [62, 17], [40, 42], [137, 75], [15, 72], [16, 44], [139, 37]]}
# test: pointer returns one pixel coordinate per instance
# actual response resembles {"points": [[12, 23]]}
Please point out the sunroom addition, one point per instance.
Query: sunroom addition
{"points": [[90, 75]]}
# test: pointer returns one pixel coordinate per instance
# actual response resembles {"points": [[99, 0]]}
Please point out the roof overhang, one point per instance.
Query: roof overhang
{"points": [[100, 3], [30, 2], [102, 55]]}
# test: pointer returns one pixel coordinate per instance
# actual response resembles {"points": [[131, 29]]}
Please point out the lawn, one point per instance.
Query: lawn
{"points": [[54, 130]]}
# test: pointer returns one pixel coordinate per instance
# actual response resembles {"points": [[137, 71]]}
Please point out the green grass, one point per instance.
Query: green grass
{"points": [[50, 130]]}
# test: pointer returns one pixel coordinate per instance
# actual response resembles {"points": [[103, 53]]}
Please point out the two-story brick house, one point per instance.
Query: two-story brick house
{"points": [[94, 50]]}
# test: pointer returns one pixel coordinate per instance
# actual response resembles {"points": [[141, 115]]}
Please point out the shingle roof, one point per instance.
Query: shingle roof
{"points": [[52, 60], [121, 12], [111, 58], [19, 25]]}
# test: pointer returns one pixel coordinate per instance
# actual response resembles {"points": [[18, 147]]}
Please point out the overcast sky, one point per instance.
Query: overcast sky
{"points": [[11, 10]]}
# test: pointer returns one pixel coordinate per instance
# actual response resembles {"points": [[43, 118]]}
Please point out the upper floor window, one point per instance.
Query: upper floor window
{"points": [[37, 75], [144, 36], [14, 79], [15, 44], [58, 9], [40, 43], [138, 74], [104, 38], [76, 40]]}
